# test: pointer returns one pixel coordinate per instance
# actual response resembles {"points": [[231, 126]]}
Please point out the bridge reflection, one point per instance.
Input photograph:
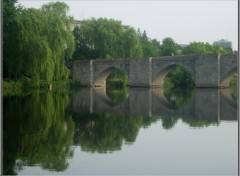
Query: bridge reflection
{"points": [[205, 104]]}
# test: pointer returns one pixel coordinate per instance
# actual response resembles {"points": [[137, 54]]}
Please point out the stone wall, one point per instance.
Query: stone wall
{"points": [[80, 70]]}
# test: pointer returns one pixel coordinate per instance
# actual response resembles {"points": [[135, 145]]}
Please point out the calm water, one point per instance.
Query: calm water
{"points": [[135, 131]]}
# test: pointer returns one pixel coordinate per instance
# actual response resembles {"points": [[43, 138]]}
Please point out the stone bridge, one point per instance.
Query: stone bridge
{"points": [[207, 104], [213, 70]]}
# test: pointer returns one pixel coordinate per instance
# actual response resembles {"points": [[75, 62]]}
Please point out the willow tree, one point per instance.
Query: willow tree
{"points": [[35, 54], [59, 36], [10, 41], [131, 44], [41, 40]]}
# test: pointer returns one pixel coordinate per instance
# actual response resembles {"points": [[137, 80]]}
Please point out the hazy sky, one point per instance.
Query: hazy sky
{"points": [[184, 21]]}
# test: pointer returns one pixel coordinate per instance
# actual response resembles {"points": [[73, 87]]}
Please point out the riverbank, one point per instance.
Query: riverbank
{"points": [[233, 83], [11, 87]]}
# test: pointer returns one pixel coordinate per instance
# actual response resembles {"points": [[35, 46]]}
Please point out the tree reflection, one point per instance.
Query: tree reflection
{"points": [[233, 87], [200, 123], [36, 131], [117, 95], [168, 123], [107, 132], [178, 96]]}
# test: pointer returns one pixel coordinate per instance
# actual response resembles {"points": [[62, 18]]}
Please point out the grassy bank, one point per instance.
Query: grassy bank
{"points": [[233, 83], [11, 87]]}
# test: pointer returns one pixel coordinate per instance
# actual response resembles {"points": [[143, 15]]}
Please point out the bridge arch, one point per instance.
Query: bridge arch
{"points": [[100, 78], [225, 79], [158, 80]]}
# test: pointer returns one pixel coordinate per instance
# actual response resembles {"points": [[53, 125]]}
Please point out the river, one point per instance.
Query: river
{"points": [[118, 132]]}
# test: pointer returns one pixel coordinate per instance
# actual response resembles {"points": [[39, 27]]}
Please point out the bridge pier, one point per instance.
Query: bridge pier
{"points": [[207, 69], [140, 72]]}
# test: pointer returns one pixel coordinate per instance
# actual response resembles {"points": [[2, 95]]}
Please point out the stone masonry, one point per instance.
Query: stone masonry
{"points": [[207, 70]]}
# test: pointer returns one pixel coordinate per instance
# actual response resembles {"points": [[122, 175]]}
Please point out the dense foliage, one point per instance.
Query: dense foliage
{"points": [[117, 79], [205, 48], [179, 97], [179, 77], [108, 39], [169, 47], [150, 47], [105, 39], [36, 42]]}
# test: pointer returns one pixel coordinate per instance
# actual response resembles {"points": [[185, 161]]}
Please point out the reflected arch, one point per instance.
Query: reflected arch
{"points": [[227, 95], [161, 106], [101, 95]]}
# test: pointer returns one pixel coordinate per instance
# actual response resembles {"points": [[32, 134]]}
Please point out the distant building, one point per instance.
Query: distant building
{"points": [[183, 45], [125, 27], [223, 43], [77, 23]]}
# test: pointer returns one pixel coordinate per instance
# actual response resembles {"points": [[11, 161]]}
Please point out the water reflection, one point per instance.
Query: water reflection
{"points": [[107, 132], [39, 128], [196, 104], [168, 123], [117, 95], [36, 131], [179, 97]]}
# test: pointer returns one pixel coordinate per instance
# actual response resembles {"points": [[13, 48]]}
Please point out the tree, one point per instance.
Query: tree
{"points": [[131, 44], [156, 45], [196, 48], [168, 47], [180, 78], [60, 37], [10, 41], [83, 46], [38, 44], [205, 48], [150, 47], [105, 39]]}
